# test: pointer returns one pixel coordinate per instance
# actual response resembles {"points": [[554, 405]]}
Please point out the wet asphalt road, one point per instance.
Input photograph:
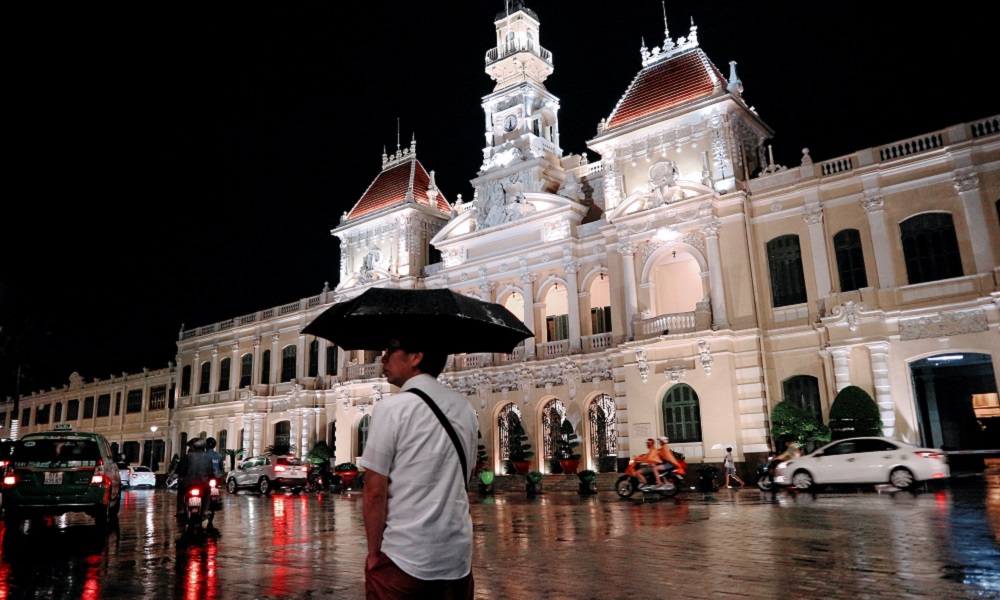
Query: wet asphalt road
{"points": [[940, 543]]}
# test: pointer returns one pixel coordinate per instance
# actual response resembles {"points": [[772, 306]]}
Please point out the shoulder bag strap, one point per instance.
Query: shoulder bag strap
{"points": [[447, 427]]}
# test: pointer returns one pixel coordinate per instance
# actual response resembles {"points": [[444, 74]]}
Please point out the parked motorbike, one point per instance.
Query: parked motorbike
{"points": [[317, 481], [172, 481], [201, 503], [628, 484]]}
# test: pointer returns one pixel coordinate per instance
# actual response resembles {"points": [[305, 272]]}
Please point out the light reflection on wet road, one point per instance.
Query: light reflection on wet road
{"points": [[936, 544]]}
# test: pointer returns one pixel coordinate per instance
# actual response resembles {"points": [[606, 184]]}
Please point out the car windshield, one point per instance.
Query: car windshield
{"points": [[57, 450], [143, 470]]}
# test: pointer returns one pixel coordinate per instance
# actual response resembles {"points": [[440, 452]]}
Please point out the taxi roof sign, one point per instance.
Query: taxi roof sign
{"points": [[63, 427]]}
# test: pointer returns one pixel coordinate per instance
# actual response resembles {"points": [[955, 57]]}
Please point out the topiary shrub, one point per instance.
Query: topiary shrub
{"points": [[791, 422], [853, 414]]}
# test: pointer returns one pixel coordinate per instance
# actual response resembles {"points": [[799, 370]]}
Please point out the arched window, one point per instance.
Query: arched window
{"points": [[930, 248], [224, 374], [552, 418], [682, 414], [246, 370], [363, 433], [557, 314], [850, 260], [265, 367], [603, 433], [222, 441], [186, 380], [282, 434], [313, 358], [803, 391], [784, 260], [204, 386], [509, 416], [287, 363]]}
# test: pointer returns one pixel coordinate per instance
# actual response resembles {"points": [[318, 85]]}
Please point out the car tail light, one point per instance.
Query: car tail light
{"points": [[926, 454], [279, 468], [213, 483], [10, 479], [98, 477]]}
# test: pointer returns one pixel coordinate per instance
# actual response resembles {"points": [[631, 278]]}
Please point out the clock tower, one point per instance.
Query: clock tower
{"points": [[522, 150]]}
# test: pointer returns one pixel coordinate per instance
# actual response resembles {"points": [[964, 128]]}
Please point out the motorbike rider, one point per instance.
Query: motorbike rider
{"points": [[668, 461], [194, 471], [651, 458], [217, 463]]}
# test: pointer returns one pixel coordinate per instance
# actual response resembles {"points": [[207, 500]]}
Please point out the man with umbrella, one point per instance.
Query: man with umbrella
{"points": [[422, 439], [415, 504]]}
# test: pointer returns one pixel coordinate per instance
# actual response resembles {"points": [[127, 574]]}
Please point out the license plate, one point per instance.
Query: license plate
{"points": [[53, 477], [194, 501], [215, 494]]}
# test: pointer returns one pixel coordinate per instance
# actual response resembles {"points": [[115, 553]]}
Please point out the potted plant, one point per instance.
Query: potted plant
{"points": [[587, 485], [533, 483], [566, 445], [348, 472], [520, 451], [706, 477]]}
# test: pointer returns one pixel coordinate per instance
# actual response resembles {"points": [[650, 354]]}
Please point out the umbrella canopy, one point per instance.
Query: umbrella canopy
{"points": [[440, 319], [723, 446]]}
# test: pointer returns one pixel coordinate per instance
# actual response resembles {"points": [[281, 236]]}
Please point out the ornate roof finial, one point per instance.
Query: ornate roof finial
{"points": [[413, 144], [666, 29], [398, 146], [693, 34], [735, 86]]}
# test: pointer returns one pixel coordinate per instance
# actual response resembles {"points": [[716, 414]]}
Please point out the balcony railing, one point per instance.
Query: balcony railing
{"points": [[663, 324], [596, 342], [515, 46], [365, 371], [516, 356], [551, 349], [472, 361]]}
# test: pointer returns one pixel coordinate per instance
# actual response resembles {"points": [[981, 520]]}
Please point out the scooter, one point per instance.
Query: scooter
{"points": [[629, 483], [201, 502], [765, 475]]}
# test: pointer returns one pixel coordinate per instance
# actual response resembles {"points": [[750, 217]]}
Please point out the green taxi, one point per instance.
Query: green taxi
{"points": [[56, 472]]}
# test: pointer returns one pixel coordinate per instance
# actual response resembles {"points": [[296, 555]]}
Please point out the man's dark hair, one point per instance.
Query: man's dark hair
{"points": [[211, 443], [433, 362]]}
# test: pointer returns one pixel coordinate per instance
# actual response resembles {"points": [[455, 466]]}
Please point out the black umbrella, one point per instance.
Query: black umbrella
{"points": [[441, 319]]}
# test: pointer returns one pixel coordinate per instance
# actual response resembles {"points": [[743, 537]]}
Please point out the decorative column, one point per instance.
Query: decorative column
{"points": [[195, 375], [255, 370], [573, 302], [841, 367], [817, 242], [874, 205], [967, 186], [528, 291], [627, 250], [275, 359], [323, 345], [258, 434], [235, 367], [213, 375], [883, 387], [300, 358], [717, 287]]}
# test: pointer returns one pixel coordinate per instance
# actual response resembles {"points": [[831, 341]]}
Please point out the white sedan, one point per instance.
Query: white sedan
{"points": [[143, 477], [864, 460]]}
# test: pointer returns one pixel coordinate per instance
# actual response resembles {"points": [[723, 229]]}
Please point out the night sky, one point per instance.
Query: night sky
{"points": [[185, 166]]}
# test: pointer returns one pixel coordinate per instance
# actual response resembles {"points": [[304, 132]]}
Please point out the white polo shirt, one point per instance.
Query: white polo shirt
{"points": [[428, 529]]}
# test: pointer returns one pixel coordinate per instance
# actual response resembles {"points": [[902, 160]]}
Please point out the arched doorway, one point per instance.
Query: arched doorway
{"points": [[957, 402], [603, 434]]}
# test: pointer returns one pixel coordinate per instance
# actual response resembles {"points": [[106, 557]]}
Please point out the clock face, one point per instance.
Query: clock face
{"points": [[510, 123]]}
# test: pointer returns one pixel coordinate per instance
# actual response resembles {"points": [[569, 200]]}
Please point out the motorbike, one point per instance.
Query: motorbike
{"points": [[201, 503], [172, 481], [628, 484], [317, 481], [765, 475]]}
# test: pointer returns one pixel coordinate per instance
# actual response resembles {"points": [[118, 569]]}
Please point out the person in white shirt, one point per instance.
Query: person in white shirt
{"points": [[415, 503]]}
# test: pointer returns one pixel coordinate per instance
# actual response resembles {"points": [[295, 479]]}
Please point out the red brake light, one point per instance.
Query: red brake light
{"points": [[195, 492], [926, 454], [10, 479], [279, 468], [213, 483], [98, 477]]}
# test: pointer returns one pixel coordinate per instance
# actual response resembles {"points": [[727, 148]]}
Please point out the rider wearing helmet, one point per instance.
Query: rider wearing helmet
{"points": [[668, 461], [194, 470]]}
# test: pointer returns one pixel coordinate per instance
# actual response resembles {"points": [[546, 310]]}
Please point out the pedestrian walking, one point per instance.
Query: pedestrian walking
{"points": [[730, 466], [415, 504]]}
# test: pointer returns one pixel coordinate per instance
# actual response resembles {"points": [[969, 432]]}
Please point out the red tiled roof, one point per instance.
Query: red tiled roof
{"points": [[666, 84], [391, 185]]}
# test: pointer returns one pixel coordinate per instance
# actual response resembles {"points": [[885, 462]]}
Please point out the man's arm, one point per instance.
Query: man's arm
{"points": [[374, 504]]}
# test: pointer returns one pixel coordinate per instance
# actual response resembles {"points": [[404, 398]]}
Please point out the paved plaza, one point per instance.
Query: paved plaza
{"points": [[940, 543]]}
